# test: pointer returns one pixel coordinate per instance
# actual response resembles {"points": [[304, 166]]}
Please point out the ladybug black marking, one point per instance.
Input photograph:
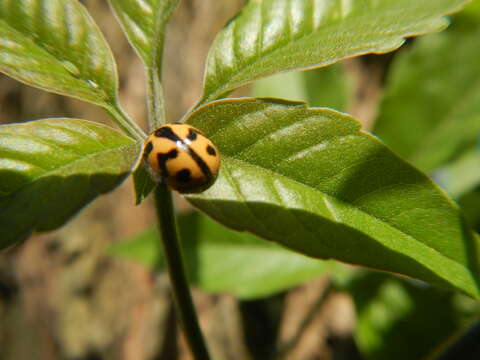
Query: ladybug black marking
{"points": [[162, 161], [205, 169], [148, 149], [183, 175], [192, 135], [211, 150], [166, 132]]}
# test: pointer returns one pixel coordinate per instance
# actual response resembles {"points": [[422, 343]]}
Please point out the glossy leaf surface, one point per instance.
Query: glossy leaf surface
{"points": [[270, 36], [144, 22], [431, 109], [312, 181], [222, 260], [56, 46], [51, 168]]}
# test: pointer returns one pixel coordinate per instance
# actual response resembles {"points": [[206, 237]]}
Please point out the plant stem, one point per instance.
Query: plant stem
{"points": [[124, 121], [156, 102], [178, 280], [167, 226]]}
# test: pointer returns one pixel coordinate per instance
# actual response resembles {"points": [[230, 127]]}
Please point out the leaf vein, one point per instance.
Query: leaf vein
{"points": [[283, 203]]}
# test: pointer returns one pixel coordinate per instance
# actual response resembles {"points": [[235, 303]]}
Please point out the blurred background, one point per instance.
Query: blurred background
{"points": [[63, 295]]}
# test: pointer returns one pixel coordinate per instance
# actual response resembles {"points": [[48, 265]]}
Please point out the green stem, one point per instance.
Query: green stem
{"points": [[156, 102], [182, 298], [125, 123], [178, 280]]}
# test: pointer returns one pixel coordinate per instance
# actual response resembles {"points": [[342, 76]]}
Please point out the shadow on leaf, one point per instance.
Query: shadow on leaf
{"points": [[48, 202]]}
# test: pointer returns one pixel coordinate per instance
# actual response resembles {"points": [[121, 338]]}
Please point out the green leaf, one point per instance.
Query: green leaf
{"points": [[399, 320], [221, 260], [272, 36], [470, 204], [431, 109], [327, 87], [472, 11], [51, 168], [310, 180], [56, 46], [144, 22], [462, 175], [289, 86], [143, 184]]}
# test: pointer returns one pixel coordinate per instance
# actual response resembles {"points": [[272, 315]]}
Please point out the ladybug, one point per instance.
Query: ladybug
{"points": [[182, 157]]}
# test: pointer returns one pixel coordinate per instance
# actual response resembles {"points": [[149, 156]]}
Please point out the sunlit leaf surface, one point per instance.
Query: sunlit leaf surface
{"points": [[309, 179], [56, 46], [144, 22], [51, 168], [269, 36]]}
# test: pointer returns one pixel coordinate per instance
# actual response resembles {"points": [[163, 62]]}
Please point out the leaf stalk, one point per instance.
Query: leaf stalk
{"points": [[125, 123]]}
